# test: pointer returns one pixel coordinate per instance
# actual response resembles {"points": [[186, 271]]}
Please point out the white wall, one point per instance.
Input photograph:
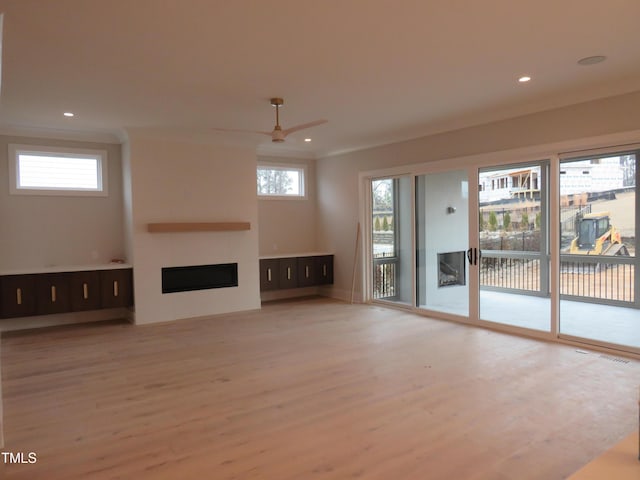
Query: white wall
{"points": [[289, 225], [444, 232], [39, 231], [175, 180], [338, 197]]}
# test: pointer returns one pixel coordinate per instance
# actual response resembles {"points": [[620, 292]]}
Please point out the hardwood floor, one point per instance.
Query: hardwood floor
{"points": [[308, 389]]}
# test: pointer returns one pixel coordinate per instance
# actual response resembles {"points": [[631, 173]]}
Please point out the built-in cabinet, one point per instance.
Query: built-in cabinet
{"points": [[295, 272], [52, 293], [116, 288], [85, 291], [25, 295], [17, 295]]}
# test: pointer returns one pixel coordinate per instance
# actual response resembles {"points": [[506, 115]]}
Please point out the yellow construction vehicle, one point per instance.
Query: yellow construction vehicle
{"points": [[596, 236]]}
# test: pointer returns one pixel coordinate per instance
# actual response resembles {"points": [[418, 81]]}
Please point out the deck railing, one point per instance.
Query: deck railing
{"points": [[384, 276], [602, 279], [597, 279], [508, 270]]}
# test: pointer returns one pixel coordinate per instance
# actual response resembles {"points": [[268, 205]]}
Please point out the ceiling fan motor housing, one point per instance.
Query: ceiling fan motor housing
{"points": [[277, 135]]}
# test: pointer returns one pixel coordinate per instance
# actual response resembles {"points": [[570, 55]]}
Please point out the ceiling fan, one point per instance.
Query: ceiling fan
{"points": [[278, 134]]}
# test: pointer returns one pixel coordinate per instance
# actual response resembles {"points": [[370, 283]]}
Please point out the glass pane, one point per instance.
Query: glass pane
{"points": [[597, 205], [49, 172], [280, 181], [383, 214], [510, 209], [392, 244]]}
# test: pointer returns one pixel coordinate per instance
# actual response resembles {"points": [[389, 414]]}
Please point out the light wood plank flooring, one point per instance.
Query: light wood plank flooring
{"points": [[313, 389]]}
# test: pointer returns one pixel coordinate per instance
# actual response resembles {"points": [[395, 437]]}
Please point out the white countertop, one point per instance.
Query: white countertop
{"points": [[294, 255], [65, 268]]}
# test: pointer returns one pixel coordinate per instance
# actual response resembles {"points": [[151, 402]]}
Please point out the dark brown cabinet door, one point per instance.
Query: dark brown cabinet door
{"points": [[324, 269], [269, 273], [85, 291], [116, 287], [52, 293], [17, 295], [283, 273], [306, 271], [288, 277]]}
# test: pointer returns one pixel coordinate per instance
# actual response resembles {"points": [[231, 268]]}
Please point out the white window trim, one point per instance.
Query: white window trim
{"points": [[285, 166], [101, 155]]}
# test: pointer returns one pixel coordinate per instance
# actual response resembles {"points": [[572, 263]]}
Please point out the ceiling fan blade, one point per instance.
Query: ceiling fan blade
{"points": [[239, 130], [303, 126]]}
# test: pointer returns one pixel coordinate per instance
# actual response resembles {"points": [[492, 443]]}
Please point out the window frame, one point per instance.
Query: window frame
{"points": [[302, 184], [15, 150]]}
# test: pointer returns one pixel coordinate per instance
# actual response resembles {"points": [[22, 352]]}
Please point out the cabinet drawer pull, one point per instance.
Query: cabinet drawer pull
{"points": [[288, 273], [324, 270], [115, 288], [53, 294], [19, 296], [269, 274], [85, 291], [306, 271]]}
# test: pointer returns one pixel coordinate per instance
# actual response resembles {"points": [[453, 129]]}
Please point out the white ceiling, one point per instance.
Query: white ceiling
{"points": [[379, 70]]}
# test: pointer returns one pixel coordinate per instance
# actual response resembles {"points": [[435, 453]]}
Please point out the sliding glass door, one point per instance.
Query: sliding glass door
{"points": [[513, 237], [473, 244], [598, 235], [391, 239], [442, 241]]}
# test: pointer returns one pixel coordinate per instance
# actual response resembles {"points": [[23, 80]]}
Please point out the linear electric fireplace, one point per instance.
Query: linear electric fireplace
{"points": [[451, 269], [199, 277]]}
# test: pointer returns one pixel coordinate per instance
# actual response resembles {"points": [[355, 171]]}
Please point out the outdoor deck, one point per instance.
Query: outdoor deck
{"points": [[604, 323]]}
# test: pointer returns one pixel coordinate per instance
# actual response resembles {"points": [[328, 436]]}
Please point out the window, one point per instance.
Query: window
{"points": [[279, 181], [36, 170]]}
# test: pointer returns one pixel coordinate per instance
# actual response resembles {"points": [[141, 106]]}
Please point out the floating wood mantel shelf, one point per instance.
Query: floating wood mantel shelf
{"points": [[198, 227]]}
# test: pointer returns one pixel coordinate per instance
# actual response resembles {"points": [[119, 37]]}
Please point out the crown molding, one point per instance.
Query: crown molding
{"points": [[59, 134]]}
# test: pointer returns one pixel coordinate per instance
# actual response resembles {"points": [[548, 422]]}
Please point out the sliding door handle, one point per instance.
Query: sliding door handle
{"points": [[473, 254]]}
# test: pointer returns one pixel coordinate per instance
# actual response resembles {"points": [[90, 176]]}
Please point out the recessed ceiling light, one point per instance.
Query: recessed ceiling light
{"points": [[68, 114], [592, 60], [307, 140], [524, 79]]}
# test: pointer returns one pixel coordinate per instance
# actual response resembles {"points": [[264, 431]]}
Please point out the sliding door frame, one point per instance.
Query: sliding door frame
{"points": [[576, 155], [552, 152]]}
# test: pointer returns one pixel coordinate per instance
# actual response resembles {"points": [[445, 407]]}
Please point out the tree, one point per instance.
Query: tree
{"points": [[506, 220], [382, 194], [376, 226], [385, 224], [481, 221], [272, 181], [493, 221], [538, 220], [524, 221]]}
